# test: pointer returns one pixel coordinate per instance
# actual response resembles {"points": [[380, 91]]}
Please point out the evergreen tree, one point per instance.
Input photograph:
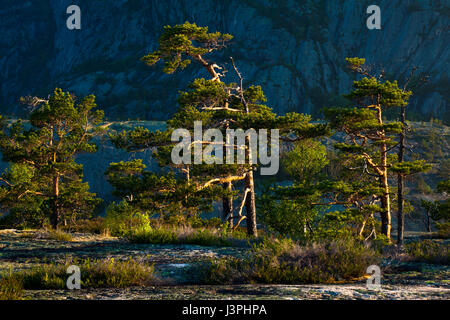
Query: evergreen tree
{"points": [[217, 105]]}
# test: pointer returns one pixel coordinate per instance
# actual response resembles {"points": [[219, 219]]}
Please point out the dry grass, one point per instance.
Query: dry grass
{"points": [[58, 235], [107, 273], [10, 289], [179, 235]]}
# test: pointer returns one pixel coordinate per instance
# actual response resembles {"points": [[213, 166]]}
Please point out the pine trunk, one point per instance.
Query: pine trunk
{"points": [[250, 205], [400, 182], [227, 203], [55, 215], [400, 213], [386, 205], [385, 199], [428, 222]]}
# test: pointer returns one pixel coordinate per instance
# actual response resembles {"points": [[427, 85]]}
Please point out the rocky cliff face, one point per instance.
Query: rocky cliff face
{"points": [[294, 48]]}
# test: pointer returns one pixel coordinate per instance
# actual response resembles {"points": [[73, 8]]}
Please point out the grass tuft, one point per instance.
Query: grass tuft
{"points": [[10, 288], [58, 235], [108, 273]]}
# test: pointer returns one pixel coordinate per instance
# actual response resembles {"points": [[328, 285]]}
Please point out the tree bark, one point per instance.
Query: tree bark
{"points": [[386, 205], [250, 205], [400, 213], [55, 216], [385, 198], [227, 204]]}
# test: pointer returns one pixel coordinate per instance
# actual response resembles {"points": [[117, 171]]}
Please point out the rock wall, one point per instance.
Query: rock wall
{"points": [[294, 48]]}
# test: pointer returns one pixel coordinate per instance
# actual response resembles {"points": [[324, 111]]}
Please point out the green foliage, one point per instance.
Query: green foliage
{"points": [[432, 141], [444, 186], [122, 217], [218, 105], [306, 160], [444, 168], [288, 218], [282, 261], [410, 167], [181, 43], [369, 142], [443, 230], [162, 194], [429, 251], [440, 210], [301, 205], [288, 210], [422, 186], [112, 273], [388, 93], [355, 63]]}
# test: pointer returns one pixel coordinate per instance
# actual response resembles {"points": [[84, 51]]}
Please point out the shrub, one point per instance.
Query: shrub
{"points": [[122, 217], [289, 218], [108, 273], [428, 251], [152, 235], [283, 261], [116, 274]]}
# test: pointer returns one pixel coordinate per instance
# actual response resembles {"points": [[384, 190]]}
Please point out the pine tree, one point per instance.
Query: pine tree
{"points": [[405, 168], [43, 171], [368, 137], [217, 105]]}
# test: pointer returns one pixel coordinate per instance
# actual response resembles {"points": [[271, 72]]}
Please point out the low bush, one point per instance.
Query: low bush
{"points": [[122, 217], [428, 251], [286, 262]]}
